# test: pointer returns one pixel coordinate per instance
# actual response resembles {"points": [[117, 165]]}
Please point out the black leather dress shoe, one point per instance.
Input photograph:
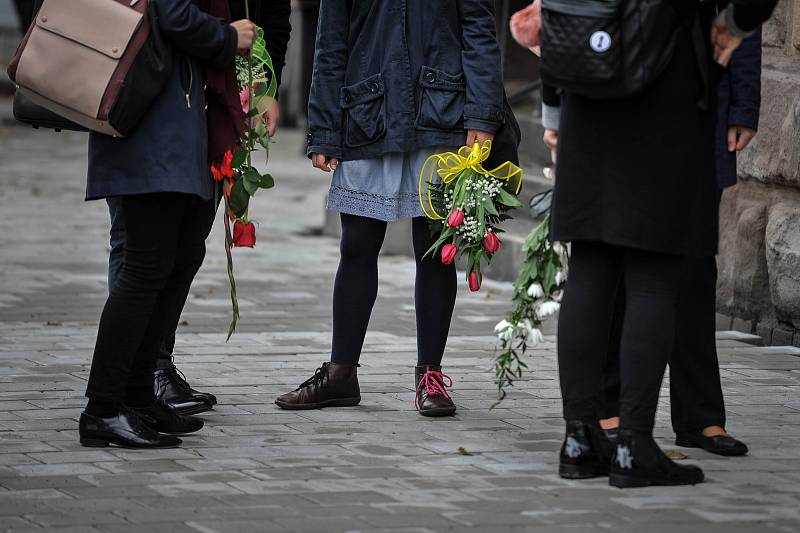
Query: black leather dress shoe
{"points": [[718, 444], [586, 451], [639, 462], [163, 418], [126, 429], [176, 392]]}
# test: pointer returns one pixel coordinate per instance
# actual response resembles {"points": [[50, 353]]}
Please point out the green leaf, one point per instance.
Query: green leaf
{"points": [[240, 199], [239, 157], [505, 198], [261, 130], [488, 204], [267, 181], [251, 180]]}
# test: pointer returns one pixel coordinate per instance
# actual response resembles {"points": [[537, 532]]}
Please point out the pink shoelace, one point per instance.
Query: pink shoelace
{"points": [[434, 383]]}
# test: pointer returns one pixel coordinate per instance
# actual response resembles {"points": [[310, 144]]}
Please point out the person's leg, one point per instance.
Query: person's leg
{"points": [[356, 287], [651, 291], [584, 326], [190, 252], [584, 331], [116, 240], [335, 383], [696, 392], [434, 297], [609, 411], [152, 223], [696, 400]]}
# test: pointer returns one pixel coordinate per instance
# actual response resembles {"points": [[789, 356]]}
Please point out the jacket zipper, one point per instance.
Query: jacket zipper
{"points": [[187, 81]]}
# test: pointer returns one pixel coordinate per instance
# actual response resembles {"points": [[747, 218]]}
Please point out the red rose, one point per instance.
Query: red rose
{"points": [[456, 218], [244, 234], [475, 281], [449, 252], [491, 243]]}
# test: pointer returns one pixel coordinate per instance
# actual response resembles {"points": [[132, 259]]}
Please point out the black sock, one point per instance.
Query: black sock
{"points": [[101, 408]]}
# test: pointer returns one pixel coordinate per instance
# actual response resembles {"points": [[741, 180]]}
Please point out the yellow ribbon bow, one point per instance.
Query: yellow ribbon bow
{"points": [[449, 166]]}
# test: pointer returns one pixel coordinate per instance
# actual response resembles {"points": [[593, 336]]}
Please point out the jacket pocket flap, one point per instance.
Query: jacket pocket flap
{"points": [[432, 78], [105, 26], [364, 91]]}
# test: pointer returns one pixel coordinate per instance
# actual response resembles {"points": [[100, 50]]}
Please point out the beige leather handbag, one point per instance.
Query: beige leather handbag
{"points": [[99, 63]]}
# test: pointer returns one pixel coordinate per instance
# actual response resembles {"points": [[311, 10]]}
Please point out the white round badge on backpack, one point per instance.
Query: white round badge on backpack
{"points": [[600, 41]]}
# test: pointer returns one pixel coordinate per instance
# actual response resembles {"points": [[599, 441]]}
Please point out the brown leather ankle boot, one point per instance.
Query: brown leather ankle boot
{"points": [[332, 385], [431, 397]]}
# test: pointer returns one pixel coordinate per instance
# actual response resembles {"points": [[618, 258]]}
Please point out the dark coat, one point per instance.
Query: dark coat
{"points": [[739, 103], [640, 172], [168, 150], [399, 75]]}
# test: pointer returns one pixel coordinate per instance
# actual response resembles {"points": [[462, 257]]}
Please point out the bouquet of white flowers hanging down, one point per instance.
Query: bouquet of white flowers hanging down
{"points": [[466, 202], [537, 295]]}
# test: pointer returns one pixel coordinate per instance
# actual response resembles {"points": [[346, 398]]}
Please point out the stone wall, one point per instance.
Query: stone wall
{"points": [[759, 282]]}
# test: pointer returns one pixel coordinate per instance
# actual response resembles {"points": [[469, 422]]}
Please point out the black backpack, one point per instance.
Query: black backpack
{"points": [[607, 49]]}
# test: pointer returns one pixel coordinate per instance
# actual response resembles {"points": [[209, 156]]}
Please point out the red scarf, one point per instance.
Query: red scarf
{"points": [[226, 119]]}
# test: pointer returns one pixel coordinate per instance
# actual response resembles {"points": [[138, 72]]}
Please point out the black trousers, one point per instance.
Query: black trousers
{"points": [[356, 289], [695, 390], [650, 280], [115, 259], [164, 249]]}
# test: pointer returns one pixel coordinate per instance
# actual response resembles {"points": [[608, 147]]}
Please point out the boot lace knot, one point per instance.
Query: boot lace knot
{"points": [[435, 384], [317, 379]]}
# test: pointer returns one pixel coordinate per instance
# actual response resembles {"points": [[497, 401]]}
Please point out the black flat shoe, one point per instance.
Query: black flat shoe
{"points": [[163, 418], [639, 462], [175, 391], [718, 444], [126, 429], [586, 452]]}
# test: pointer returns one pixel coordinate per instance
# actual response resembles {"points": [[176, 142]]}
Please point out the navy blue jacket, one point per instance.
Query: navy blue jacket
{"points": [[167, 152], [739, 102], [399, 75]]}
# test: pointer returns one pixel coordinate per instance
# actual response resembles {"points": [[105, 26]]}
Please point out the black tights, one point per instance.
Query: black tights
{"points": [[164, 248], [356, 289], [650, 282]]}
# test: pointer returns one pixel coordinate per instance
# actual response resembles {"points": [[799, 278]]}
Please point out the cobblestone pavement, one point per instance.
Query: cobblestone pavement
{"points": [[375, 468]]}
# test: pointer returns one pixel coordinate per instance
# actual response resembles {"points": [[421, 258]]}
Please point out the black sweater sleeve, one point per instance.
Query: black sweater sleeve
{"points": [[748, 14], [273, 17]]}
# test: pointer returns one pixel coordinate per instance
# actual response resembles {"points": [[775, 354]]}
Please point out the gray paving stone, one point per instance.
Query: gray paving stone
{"points": [[376, 468]]}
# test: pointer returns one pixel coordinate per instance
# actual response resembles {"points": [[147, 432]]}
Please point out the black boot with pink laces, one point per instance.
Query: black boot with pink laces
{"points": [[431, 396]]}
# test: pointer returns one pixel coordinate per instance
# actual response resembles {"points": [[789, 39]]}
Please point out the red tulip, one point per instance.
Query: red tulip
{"points": [[475, 279], [449, 252], [244, 234], [491, 243], [456, 218]]}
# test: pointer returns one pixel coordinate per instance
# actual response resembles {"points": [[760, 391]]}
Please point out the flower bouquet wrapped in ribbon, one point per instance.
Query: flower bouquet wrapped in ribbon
{"points": [[466, 203], [239, 178]]}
